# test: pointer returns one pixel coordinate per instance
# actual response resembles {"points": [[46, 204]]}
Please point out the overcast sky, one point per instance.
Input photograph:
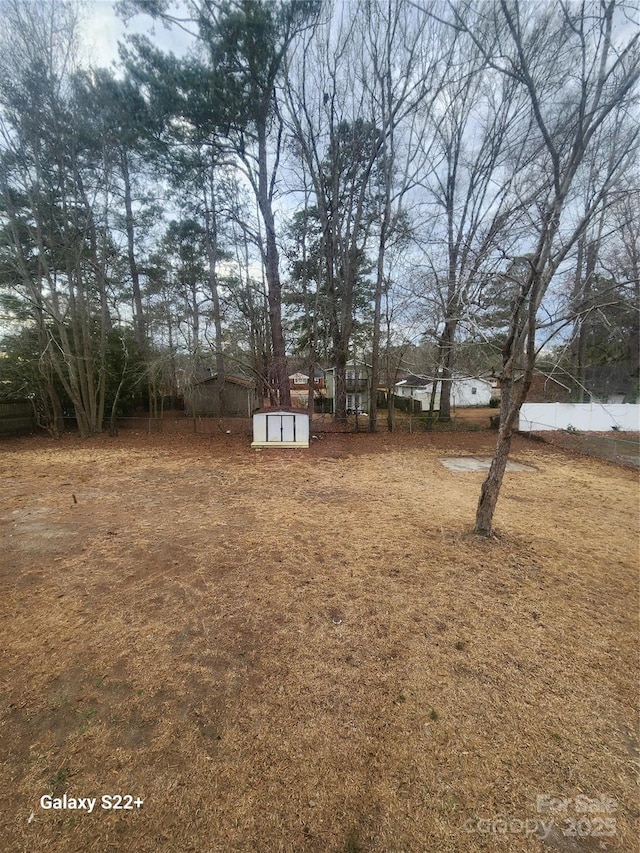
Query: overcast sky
{"points": [[102, 30]]}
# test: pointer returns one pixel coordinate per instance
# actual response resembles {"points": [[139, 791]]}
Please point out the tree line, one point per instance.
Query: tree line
{"points": [[387, 180]]}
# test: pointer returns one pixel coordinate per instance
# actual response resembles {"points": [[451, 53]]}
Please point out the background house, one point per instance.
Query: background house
{"points": [[465, 391], [240, 396], [358, 379], [299, 387]]}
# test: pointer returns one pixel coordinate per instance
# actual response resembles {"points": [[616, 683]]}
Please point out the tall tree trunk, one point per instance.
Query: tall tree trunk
{"points": [[342, 335], [446, 346], [432, 404], [340, 384], [377, 314], [211, 232], [82, 269], [520, 342], [491, 486], [57, 419], [272, 271], [139, 318], [311, 390], [577, 305], [113, 418], [633, 348], [390, 409], [375, 363]]}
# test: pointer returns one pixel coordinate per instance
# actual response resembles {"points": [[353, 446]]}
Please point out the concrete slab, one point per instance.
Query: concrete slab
{"points": [[478, 463]]}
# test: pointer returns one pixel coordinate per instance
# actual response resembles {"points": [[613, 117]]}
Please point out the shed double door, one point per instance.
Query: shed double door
{"points": [[281, 428]]}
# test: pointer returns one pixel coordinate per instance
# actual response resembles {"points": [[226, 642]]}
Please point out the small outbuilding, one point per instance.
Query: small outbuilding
{"points": [[283, 427], [236, 396], [466, 391]]}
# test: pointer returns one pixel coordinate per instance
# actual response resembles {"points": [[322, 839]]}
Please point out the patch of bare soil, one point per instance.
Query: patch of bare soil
{"points": [[309, 651]]}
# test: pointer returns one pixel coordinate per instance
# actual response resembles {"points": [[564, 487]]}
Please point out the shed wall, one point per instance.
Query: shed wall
{"points": [[280, 429], [205, 399]]}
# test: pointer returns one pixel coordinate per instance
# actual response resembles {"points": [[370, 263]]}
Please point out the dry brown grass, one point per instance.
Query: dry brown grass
{"points": [[308, 650]]}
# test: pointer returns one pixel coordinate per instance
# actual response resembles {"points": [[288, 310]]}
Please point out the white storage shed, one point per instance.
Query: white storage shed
{"points": [[281, 428]]}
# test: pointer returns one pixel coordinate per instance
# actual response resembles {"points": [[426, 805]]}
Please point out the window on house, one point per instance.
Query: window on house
{"points": [[350, 375], [474, 390], [299, 380]]}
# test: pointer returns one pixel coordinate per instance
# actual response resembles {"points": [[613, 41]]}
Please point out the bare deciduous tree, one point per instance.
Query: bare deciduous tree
{"points": [[579, 80], [477, 149]]}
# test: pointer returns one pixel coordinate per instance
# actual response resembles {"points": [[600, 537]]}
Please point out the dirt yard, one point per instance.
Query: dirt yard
{"points": [[308, 651]]}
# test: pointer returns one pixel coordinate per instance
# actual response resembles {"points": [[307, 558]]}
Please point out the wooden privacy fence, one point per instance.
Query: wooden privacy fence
{"points": [[403, 404], [16, 417]]}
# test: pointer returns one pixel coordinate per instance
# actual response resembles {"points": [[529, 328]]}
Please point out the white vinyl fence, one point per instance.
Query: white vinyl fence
{"points": [[584, 417]]}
